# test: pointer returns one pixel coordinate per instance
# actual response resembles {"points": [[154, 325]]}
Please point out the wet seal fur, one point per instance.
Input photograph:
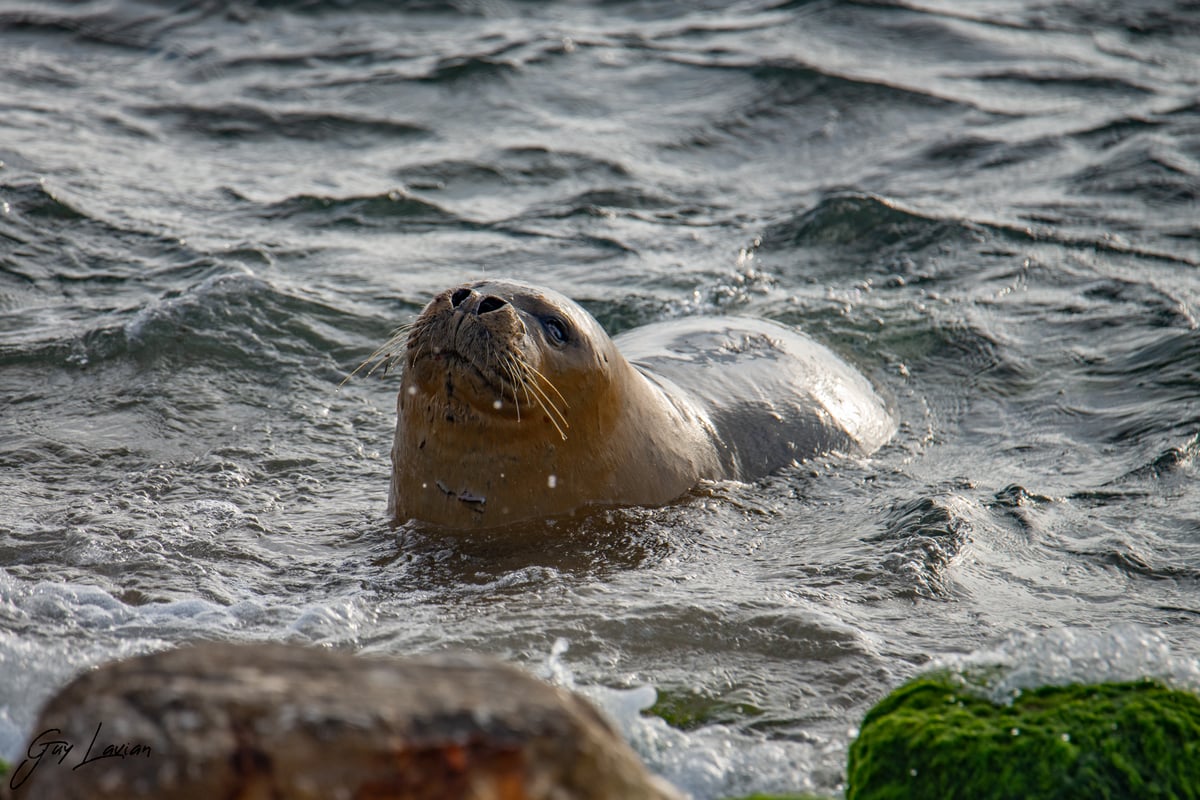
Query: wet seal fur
{"points": [[515, 404]]}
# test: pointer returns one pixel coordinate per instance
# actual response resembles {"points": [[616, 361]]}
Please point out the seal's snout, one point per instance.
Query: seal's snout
{"points": [[471, 302]]}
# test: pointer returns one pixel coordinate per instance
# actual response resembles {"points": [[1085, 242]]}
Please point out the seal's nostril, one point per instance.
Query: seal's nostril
{"points": [[459, 296], [491, 303]]}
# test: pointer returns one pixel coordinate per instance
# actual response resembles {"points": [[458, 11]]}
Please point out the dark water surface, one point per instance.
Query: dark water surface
{"points": [[210, 213]]}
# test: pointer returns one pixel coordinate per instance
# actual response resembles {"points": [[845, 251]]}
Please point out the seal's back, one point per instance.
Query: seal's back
{"points": [[772, 395]]}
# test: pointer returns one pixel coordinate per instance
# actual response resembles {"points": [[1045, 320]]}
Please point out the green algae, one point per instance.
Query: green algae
{"points": [[932, 738], [687, 710]]}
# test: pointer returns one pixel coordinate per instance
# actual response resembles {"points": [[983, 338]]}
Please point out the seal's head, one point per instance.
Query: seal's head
{"points": [[499, 353], [507, 389]]}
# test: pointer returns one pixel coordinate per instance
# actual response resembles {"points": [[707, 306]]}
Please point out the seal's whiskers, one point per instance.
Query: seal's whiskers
{"points": [[388, 355], [553, 388], [510, 372], [535, 381], [530, 380]]}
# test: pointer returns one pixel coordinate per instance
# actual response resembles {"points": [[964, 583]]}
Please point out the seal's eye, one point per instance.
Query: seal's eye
{"points": [[556, 330]]}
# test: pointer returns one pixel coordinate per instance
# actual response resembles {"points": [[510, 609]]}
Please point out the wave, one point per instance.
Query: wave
{"points": [[604, 202], [393, 208], [245, 121], [70, 265], [1149, 170], [858, 222], [236, 320], [846, 224], [31, 198], [1171, 463], [923, 536], [1144, 392], [124, 25], [512, 166]]}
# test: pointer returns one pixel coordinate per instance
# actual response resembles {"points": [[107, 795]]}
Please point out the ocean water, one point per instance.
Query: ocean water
{"points": [[210, 213]]}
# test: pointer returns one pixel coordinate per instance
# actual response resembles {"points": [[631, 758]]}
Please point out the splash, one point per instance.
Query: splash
{"points": [[1068, 655], [707, 763]]}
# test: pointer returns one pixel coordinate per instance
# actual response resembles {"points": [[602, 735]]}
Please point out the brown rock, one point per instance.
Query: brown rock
{"points": [[288, 722]]}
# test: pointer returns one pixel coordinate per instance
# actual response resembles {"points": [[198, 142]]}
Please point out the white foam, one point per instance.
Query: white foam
{"points": [[86, 606], [53, 631], [337, 621], [1064, 656], [711, 762], [34, 667]]}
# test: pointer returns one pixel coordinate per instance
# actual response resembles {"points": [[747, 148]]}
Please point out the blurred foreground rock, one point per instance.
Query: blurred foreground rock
{"points": [[289, 722], [933, 738]]}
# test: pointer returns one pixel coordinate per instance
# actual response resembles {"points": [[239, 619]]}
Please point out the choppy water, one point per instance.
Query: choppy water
{"points": [[210, 213]]}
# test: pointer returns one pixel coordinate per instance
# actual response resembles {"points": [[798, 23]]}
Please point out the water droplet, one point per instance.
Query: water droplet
{"points": [[1066, 737], [913, 772], [412, 391], [552, 481], [1015, 732], [496, 404]]}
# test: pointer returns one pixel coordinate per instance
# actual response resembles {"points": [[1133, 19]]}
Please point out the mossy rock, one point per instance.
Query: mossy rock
{"points": [[932, 738], [688, 710]]}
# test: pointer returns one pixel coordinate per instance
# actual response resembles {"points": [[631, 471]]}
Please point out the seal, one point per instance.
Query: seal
{"points": [[515, 404]]}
